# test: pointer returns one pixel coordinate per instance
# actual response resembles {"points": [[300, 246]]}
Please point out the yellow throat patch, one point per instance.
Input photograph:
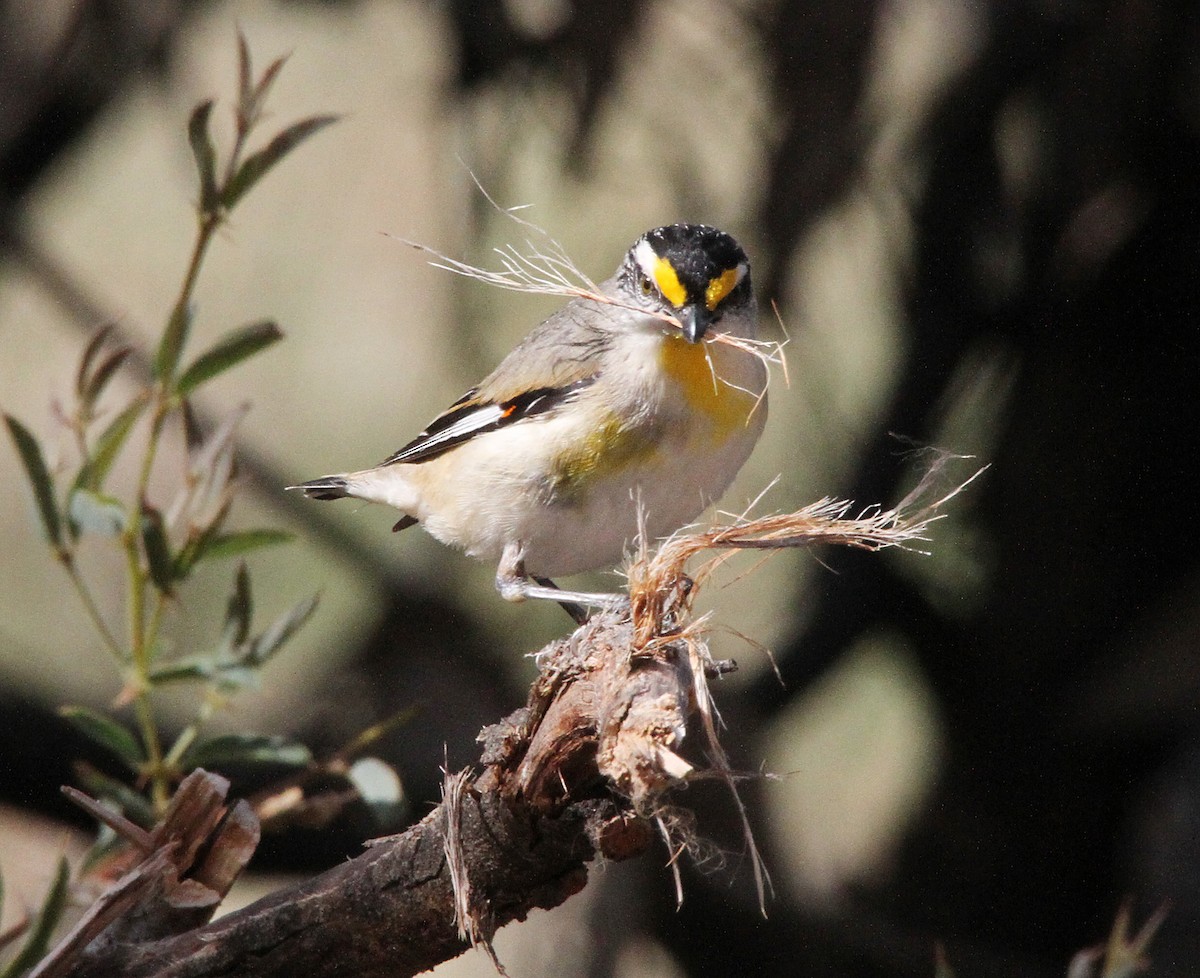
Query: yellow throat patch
{"points": [[689, 365]]}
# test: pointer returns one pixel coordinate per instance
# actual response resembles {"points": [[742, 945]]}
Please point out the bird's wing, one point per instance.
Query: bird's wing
{"points": [[469, 417], [548, 368]]}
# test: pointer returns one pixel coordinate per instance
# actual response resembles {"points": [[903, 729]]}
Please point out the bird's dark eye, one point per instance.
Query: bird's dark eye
{"points": [[644, 284]]}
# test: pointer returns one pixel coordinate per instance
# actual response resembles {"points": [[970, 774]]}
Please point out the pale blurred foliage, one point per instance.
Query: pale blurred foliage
{"points": [[863, 742], [377, 342]]}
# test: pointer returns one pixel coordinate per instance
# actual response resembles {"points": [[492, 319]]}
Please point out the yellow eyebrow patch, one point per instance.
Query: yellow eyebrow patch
{"points": [[667, 280], [721, 286]]}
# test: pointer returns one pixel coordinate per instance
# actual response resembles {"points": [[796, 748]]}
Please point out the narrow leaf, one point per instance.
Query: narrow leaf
{"points": [[237, 544], [263, 86], [247, 749], [229, 351], [205, 154], [36, 945], [193, 552], [251, 94], [238, 611], [90, 512], [157, 549], [108, 446], [284, 627], [107, 733], [90, 352], [191, 669], [193, 435], [171, 345], [245, 84], [127, 801], [39, 477], [372, 734], [104, 372], [232, 679], [205, 504], [258, 164]]}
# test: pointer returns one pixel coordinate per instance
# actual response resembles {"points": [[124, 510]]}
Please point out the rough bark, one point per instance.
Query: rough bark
{"points": [[516, 837]]}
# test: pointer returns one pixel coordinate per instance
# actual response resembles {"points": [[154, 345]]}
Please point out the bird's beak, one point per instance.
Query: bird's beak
{"points": [[695, 320]]}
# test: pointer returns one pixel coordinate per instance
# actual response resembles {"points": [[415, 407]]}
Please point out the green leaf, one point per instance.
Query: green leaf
{"points": [[170, 347], [104, 372], [108, 446], [245, 75], [243, 542], [193, 434], [229, 351], [36, 945], [251, 94], [127, 801], [190, 669], [258, 164], [265, 81], [234, 678], [247, 749], [90, 352], [238, 611], [39, 477], [205, 154], [157, 549], [207, 496], [279, 631], [193, 550], [91, 512], [107, 733]]}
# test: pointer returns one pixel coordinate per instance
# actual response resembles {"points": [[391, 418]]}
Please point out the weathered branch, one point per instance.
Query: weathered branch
{"points": [[524, 831], [578, 772]]}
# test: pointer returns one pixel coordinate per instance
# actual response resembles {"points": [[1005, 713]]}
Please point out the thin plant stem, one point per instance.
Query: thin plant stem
{"points": [[189, 733], [140, 663], [143, 630], [209, 222], [93, 611], [156, 614]]}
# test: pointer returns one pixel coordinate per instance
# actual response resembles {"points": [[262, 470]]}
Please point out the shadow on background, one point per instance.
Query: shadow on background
{"points": [[1036, 204]]}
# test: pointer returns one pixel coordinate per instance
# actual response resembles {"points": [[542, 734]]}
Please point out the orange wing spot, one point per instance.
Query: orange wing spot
{"points": [[667, 280], [720, 287], [508, 412]]}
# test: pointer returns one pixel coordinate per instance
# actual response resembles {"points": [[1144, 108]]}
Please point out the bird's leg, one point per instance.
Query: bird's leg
{"points": [[515, 584], [578, 613]]}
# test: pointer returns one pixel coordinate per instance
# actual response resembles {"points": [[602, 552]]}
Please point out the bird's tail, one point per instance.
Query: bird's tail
{"points": [[386, 484], [330, 487]]}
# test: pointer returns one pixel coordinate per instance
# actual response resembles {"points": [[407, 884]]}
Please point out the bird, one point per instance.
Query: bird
{"points": [[628, 411]]}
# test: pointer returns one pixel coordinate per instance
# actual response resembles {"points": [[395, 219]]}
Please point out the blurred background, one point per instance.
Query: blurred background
{"points": [[980, 222]]}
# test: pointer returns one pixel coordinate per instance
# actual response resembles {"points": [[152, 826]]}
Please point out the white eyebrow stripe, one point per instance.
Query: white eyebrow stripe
{"points": [[645, 256]]}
